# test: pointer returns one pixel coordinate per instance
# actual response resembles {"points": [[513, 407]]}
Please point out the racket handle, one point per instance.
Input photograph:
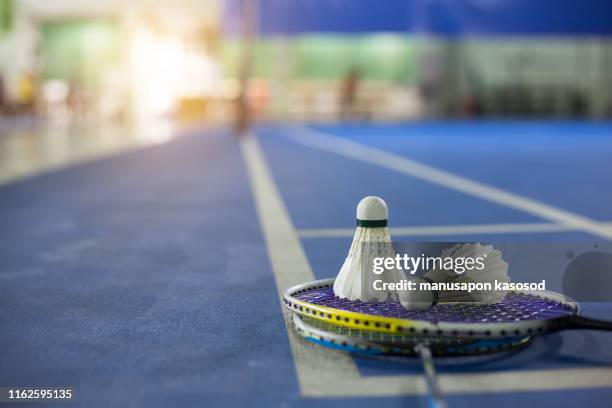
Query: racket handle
{"points": [[580, 322], [431, 379]]}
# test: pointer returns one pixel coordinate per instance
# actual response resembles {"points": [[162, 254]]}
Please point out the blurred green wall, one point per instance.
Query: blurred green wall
{"points": [[7, 15], [78, 51], [384, 57]]}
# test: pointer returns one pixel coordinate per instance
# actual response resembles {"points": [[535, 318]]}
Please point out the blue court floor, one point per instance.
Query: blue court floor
{"points": [[151, 278]]}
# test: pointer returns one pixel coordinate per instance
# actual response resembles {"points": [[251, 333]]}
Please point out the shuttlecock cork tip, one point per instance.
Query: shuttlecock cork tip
{"points": [[372, 212]]}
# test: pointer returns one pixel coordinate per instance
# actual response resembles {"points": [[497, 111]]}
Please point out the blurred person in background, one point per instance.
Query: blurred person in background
{"points": [[242, 112], [76, 101], [348, 94], [2, 95], [241, 121]]}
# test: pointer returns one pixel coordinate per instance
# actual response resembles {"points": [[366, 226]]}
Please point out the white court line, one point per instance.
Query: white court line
{"points": [[316, 371], [404, 165], [442, 230], [328, 373]]}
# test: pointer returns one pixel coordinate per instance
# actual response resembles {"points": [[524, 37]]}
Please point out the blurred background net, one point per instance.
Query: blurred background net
{"points": [[187, 61]]}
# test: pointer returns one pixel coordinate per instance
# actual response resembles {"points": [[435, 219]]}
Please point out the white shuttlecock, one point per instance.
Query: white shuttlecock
{"points": [[495, 269], [372, 240]]}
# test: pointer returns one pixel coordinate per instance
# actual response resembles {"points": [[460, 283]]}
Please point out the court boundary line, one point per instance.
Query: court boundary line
{"points": [[404, 165], [517, 228], [327, 373], [290, 267]]}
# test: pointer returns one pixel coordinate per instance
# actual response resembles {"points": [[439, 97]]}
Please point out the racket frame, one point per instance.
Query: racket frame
{"points": [[439, 346], [414, 327]]}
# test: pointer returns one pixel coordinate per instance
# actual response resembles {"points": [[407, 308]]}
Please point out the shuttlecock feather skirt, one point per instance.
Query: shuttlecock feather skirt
{"points": [[356, 278]]}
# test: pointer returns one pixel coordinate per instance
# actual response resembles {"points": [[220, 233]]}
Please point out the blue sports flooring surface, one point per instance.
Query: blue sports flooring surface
{"points": [[144, 279]]}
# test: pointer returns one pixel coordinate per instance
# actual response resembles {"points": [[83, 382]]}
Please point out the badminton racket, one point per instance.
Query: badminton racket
{"points": [[378, 343], [382, 344], [518, 314]]}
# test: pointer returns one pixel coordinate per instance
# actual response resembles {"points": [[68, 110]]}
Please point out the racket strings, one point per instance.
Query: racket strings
{"points": [[514, 307]]}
